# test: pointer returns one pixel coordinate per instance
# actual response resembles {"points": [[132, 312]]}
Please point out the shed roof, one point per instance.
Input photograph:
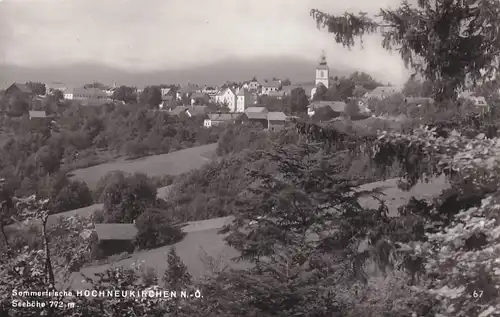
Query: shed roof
{"points": [[116, 231], [337, 106], [38, 114], [256, 109], [256, 115], [276, 116]]}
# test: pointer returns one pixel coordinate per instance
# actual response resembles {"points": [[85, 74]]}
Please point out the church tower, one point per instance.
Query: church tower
{"points": [[323, 72]]}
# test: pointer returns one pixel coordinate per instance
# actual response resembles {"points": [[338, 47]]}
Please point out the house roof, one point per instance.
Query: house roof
{"points": [[256, 109], [337, 106], [116, 231], [167, 98], [197, 110], [178, 110], [21, 87], [38, 114], [223, 116], [416, 101], [243, 92], [256, 115], [197, 94], [276, 116], [272, 84], [276, 94]]}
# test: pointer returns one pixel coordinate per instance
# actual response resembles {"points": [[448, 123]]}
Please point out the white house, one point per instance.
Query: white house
{"points": [[243, 100], [228, 97], [85, 94], [268, 87], [253, 85], [215, 119]]}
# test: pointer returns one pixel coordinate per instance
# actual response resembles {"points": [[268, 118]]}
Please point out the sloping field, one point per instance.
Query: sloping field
{"points": [[202, 235], [85, 212], [174, 163], [202, 240], [395, 198]]}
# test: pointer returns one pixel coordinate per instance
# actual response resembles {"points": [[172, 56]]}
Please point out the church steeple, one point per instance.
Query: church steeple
{"points": [[323, 72], [322, 58]]}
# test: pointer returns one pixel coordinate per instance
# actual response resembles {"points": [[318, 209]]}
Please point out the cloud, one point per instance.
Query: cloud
{"points": [[165, 34]]}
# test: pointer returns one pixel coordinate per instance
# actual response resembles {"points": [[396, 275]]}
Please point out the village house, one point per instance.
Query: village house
{"points": [[276, 94], [52, 87], [273, 121], [418, 102], [186, 92], [243, 100], [216, 119], [276, 121], [274, 85], [81, 93], [337, 106], [40, 115], [227, 97], [114, 238], [199, 98], [190, 111], [18, 90], [211, 92], [253, 86], [478, 101]]}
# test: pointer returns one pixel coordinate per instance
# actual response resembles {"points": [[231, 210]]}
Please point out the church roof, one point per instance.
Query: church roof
{"points": [[322, 66]]}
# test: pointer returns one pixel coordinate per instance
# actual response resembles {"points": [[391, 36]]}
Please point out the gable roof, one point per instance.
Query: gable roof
{"points": [[276, 116], [272, 84], [116, 231], [223, 116], [276, 94], [198, 94], [256, 109], [21, 87], [38, 114], [197, 110], [256, 115], [337, 106], [178, 110], [417, 100]]}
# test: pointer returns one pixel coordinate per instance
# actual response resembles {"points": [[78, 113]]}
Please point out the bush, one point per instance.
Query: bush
{"points": [[155, 230], [111, 178], [74, 195], [125, 200]]}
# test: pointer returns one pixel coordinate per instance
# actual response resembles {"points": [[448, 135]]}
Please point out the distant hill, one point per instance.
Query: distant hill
{"points": [[297, 70]]}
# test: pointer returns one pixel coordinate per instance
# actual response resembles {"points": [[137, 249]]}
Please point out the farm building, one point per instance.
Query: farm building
{"points": [[114, 238]]}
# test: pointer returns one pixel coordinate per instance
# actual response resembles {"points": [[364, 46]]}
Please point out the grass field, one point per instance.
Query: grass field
{"points": [[174, 163], [202, 235], [202, 240]]}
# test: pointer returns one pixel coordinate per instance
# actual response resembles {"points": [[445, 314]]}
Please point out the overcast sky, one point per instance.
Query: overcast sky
{"points": [[165, 34]]}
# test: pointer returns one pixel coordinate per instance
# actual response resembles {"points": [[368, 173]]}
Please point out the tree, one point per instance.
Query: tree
{"points": [[74, 195], [37, 88], [445, 41], [129, 198], [286, 82], [298, 101], [365, 80], [95, 84], [352, 109], [324, 114], [176, 277], [321, 93], [125, 94], [155, 230], [341, 91], [416, 88], [151, 96]]}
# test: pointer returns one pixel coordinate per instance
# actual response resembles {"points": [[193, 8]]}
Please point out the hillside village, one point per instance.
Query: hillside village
{"points": [[338, 197], [265, 102]]}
